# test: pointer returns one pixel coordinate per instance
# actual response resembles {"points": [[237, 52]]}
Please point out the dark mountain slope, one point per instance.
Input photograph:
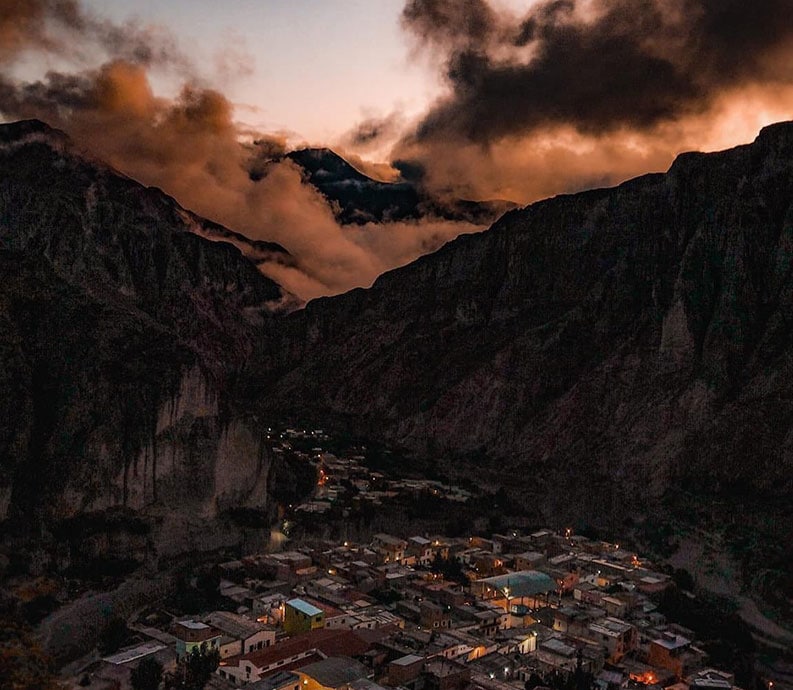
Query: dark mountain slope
{"points": [[600, 354], [120, 240], [123, 330]]}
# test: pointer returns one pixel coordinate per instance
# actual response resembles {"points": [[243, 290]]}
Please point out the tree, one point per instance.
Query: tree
{"points": [[193, 670], [148, 675], [450, 568], [683, 579], [23, 665], [114, 635]]}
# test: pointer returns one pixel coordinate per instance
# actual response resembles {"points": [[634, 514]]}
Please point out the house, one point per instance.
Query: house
{"points": [[440, 674], [421, 549], [115, 671], [529, 560], [615, 606], [526, 642], [295, 653], [575, 620], [711, 679], [405, 670], [332, 673], [300, 617], [391, 549], [617, 636], [670, 651], [241, 635], [490, 621], [564, 654], [192, 635], [433, 616]]}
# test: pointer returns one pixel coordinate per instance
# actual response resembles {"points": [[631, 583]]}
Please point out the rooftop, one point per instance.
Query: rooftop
{"points": [[275, 681], [235, 625], [558, 647], [522, 583], [672, 641], [133, 653], [334, 672], [407, 660], [304, 607]]}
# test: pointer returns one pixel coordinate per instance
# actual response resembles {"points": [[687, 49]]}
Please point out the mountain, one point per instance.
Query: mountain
{"points": [[123, 329], [604, 356], [360, 199], [620, 358]]}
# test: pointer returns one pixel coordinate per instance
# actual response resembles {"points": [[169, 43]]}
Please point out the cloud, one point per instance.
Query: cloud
{"points": [[192, 147], [370, 133], [64, 28], [610, 78], [567, 95]]}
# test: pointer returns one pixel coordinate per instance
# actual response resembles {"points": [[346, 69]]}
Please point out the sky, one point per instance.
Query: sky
{"points": [[476, 99], [308, 67]]}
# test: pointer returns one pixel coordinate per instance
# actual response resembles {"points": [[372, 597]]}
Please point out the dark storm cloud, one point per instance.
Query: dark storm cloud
{"points": [[455, 23], [598, 66]]}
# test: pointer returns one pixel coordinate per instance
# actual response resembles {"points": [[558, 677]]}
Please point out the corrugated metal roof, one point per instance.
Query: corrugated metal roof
{"points": [[304, 607], [522, 583]]}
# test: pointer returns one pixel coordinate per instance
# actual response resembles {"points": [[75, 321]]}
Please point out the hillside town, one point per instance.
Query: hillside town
{"points": [[510, 611]]}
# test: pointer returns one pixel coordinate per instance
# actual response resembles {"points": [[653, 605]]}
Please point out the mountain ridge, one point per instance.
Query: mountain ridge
{"points": [[607, 351], [123, 331], [610, 358]]}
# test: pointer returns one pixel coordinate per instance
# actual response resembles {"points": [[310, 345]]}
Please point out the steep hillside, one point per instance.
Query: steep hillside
{"points": [[120, 240], [603, 355], [122, 332]]}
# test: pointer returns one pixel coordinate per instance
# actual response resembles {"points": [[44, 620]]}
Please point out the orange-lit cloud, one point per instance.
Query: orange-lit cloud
{"points": [[568, 95], [580, 92], [192, 148]]}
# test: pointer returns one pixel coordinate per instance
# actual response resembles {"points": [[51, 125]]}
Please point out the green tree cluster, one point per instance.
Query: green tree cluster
{"points": [[193, 670]]}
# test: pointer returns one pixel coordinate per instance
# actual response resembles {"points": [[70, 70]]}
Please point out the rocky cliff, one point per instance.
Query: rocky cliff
{"points": [[604, 355], [122, 332]]}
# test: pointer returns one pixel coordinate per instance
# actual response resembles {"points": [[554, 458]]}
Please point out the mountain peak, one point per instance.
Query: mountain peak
{"points": [[325, 165]]}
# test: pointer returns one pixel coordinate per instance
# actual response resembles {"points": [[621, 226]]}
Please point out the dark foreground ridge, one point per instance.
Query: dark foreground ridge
{"points": [[121, 328]]}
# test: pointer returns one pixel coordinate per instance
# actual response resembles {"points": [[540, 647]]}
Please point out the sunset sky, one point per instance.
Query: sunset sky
{"points": [[310, 67], [475, 99]]}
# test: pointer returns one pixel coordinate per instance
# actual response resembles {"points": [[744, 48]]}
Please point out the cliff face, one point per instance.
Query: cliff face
{"points": [[122, 332], [596, 353]]}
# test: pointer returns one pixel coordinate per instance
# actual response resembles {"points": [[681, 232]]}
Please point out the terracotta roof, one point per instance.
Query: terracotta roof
{"points": [[328, 642]]}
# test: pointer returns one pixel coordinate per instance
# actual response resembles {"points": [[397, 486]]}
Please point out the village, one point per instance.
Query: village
{"points": [[512, 610]]}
